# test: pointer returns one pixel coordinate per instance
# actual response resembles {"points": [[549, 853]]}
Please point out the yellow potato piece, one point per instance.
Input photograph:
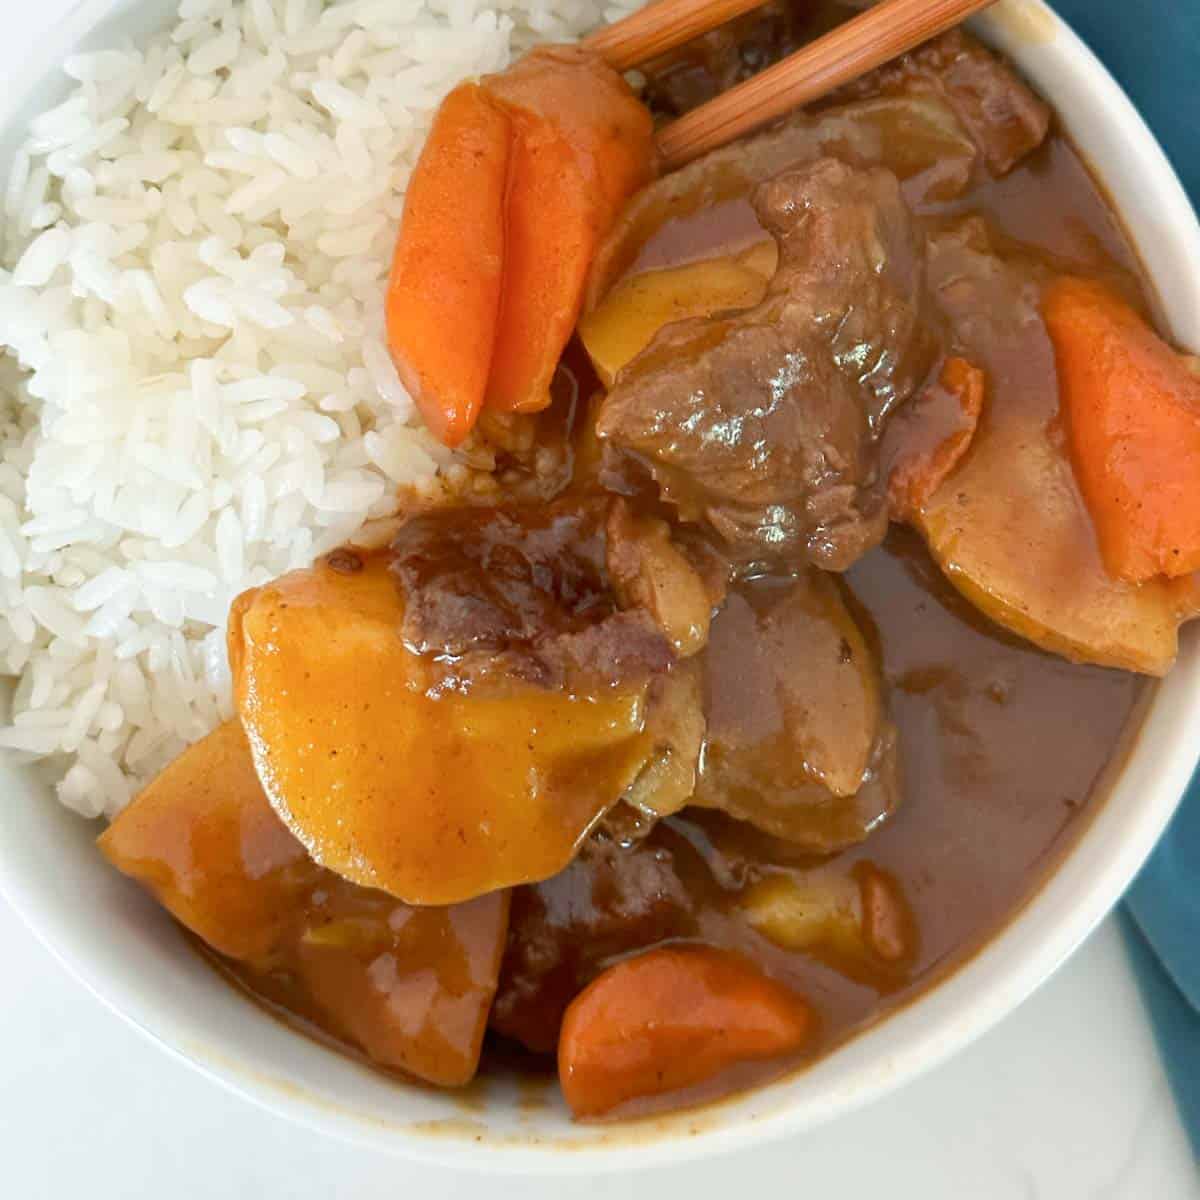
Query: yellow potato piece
{"points": [[202, 838], [803, 914], [1008, 526], [1009, 531], [639, 306], [397, 783], [1025, 557], [858, 922], [797, 742], [795, 652], [411, 987]]}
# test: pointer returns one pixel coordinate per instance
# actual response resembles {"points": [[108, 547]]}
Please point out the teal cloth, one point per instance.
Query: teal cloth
{"points": [[1153, 49]]}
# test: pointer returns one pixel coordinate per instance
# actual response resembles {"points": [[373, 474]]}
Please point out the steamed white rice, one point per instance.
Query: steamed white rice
{"points": [[194, 387]]}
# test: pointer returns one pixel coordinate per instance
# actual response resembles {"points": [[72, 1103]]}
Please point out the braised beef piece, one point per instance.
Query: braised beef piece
{"points": [[522, 593], [1006, 120], [611, 900], [714, 62], [579, 592], [764, 423]]}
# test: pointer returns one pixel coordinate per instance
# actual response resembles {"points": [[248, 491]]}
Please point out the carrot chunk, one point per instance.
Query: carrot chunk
{"points": [[444, 293], [668, 1019], [1132, 412], [583, 144], [521, 177], [550, 237]]}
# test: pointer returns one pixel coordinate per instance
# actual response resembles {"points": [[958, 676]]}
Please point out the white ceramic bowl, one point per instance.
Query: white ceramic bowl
{"points": [[124, 948]]}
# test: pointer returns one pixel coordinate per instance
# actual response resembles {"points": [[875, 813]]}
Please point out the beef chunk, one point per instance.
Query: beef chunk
{"points": [[1006, 120], [764, 423], [514, 593], [522, 594], [485, 578], [611, 900], [579, 593], [718, 60]]}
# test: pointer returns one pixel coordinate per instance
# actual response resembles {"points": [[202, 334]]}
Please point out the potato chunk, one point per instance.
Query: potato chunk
{"points": [[631, 314], [1008, 526], [397, 781], [412, 987], [800, 641], [204, 840], [858, 922]]}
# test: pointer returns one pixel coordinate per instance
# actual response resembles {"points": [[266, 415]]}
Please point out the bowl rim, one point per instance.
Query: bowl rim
{"points": [[952, 1013]]}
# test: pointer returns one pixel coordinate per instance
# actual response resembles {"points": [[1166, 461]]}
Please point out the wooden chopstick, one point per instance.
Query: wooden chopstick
{"points": [[660, 27], [858, 46]]}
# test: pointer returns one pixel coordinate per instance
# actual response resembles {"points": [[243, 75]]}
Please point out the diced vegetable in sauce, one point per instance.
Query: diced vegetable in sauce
{"points": [[1132, 411], [430, 795], [1009, 526], [807, 644], [520, 178], [797, 741], [935, 431], [855, 922], [411, 986], [447, 275], [670, 1019], [582, 148]]}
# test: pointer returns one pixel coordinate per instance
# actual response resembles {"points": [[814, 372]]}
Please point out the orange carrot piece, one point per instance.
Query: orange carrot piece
{"points": [[550, 238], [888, 925], [583, 144], [668, 1019], [593, 107], [444, 295], [937, 429], [1132, 411]]}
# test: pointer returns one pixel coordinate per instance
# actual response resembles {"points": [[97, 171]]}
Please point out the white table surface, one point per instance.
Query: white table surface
{"points": [[1066, 1099]]}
